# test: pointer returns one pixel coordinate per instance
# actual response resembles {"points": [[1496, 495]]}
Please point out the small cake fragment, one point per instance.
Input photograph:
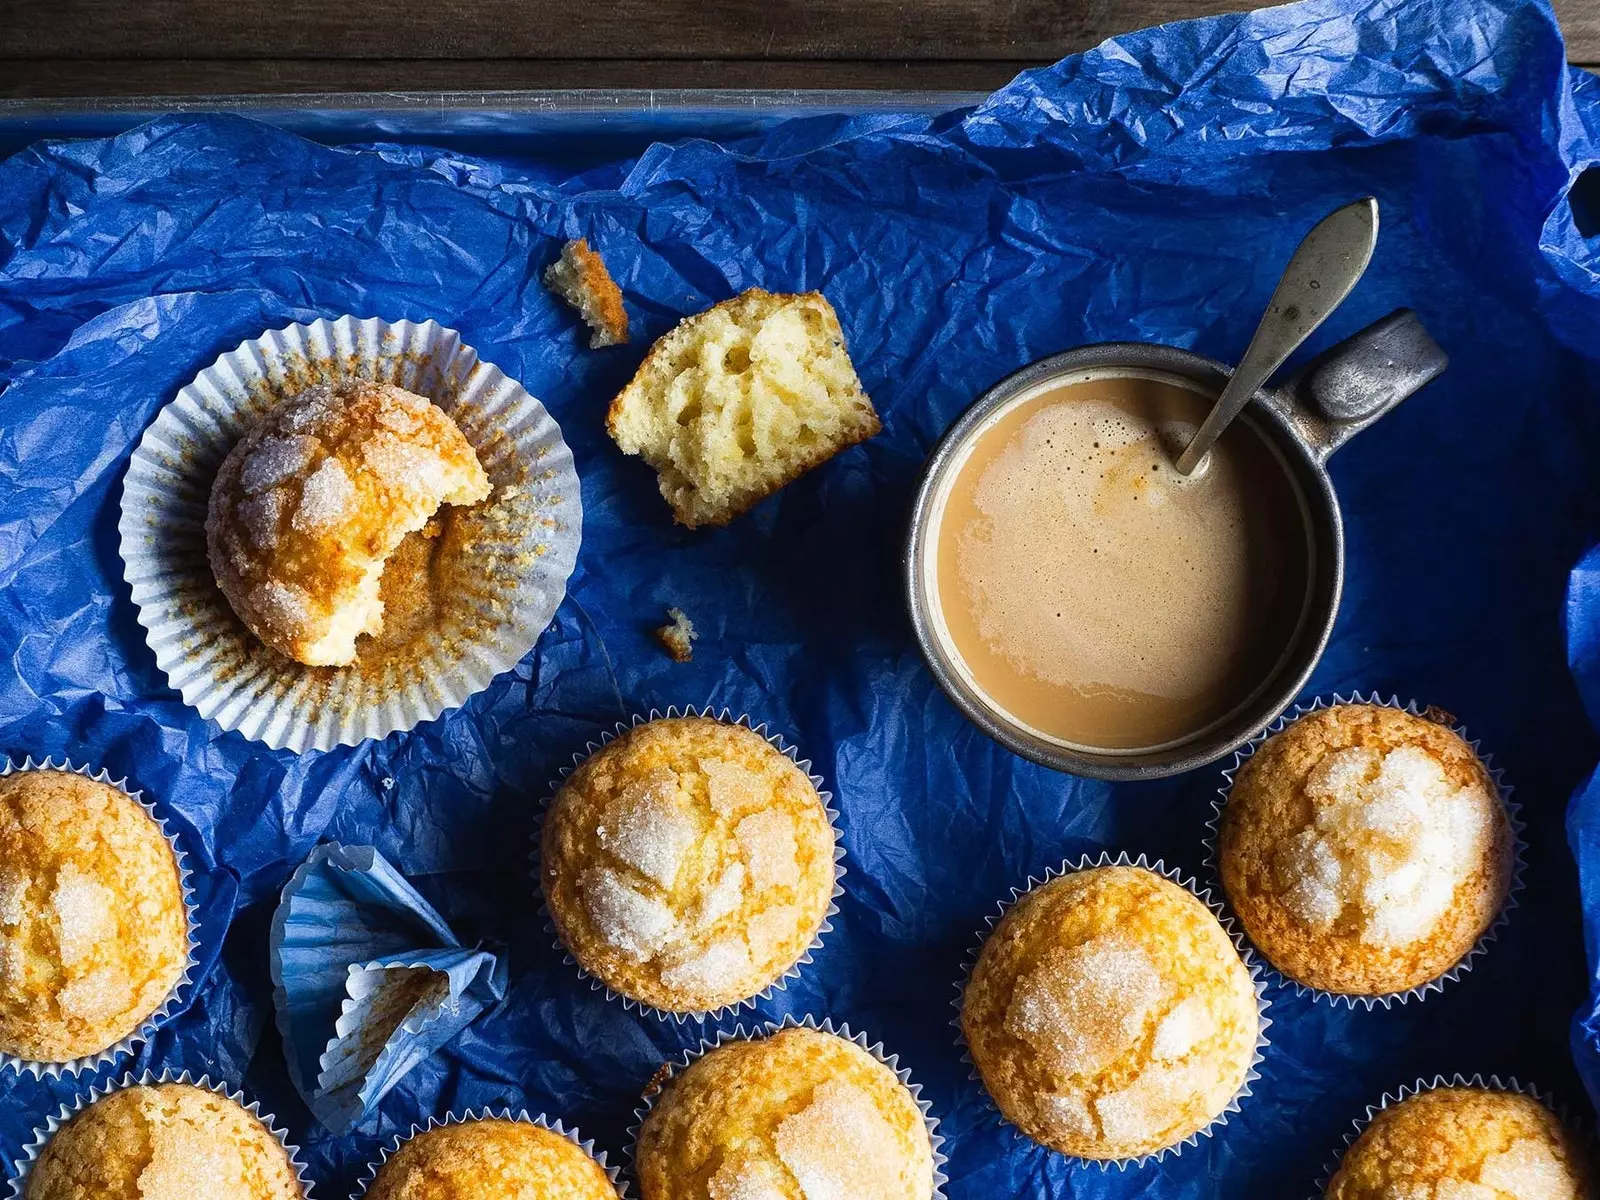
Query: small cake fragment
{"points": [[579, 277], [735, 402], [677, 637]]}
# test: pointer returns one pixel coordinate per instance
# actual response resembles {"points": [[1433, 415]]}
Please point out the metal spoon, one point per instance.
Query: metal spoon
{"points": [[1319, 276]]}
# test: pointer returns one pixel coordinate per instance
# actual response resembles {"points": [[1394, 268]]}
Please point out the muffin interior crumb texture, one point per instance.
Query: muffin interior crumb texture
{"points": [[93, 927], [1459, 1143], [491, 1159], [790, 1117], [163, 1142], [1109, 1014], [308, 507], [1365, 849], [688, 864], [737, 401]]}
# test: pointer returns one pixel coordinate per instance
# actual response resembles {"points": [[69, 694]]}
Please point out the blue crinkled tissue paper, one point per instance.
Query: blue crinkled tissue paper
{"points": [[1151, 188]]}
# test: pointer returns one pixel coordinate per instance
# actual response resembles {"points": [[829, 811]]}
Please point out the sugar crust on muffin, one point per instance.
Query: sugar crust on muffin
{"points": [[168, 1141], [688, 864], [1365, 849], [490, 1159], [1109, 1014], [308, 507], [799, 1115], [94, 932], [1464, 1143]]}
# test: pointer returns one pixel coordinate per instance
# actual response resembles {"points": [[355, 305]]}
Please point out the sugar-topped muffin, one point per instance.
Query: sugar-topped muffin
{"points": [[688, 864], [94, 933], [167, 1141], [1365, 849], [308, 507], [490, 1159], [799, 1115], [1109, 1014], [1464, 1143]]}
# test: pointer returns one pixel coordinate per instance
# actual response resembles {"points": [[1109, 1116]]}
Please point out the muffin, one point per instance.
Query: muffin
{"points": [[1469, 1142], [94, 930], [799, 1115], [308, 507], [491, 1158], [580, 278], [169, 1141], [1109, 1014], [1365, 849], [739, 400], [688, 865]]}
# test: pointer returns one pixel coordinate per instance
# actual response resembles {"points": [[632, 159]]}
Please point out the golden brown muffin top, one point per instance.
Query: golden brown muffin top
{"points": [[1463, 1143], [1109, 1014], [1365, 849], [491, 1159], [313, 500], [94, 934], [688, 864], [799, 1115], [169, 1141]]}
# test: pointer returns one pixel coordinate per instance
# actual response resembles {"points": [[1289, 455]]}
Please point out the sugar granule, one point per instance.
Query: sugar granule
{"points": [[650, 827], [281, 604], [185, 1161], [718, 967], [403, 465], [1184, 1027], [1068, 1113], [1083, 1007], [836, 1147], [274, 459], [733, 788], [95, 996], [1392, 839], [326, 498], [85, 912], [747, 1177], [1526, 1168], [770, 849], [724, 896], [13, 897], [771, 927], [1147, 1107], [261, 516], [634, 923]]}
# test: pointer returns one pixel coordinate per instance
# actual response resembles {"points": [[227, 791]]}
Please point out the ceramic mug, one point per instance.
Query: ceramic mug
{"points": [[1304, 421]]}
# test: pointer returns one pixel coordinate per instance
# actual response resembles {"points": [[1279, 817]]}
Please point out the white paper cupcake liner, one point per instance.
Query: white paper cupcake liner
{"points": [[1464, 964], [30, 1154], [1257, 979], [177, 998], [1492, 1082], [739, 1034], [489, 1114], [523, 541], [779, 743]]}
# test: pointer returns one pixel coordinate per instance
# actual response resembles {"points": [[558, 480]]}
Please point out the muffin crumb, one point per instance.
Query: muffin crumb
{"points": [[677, 637], [579, 277]]}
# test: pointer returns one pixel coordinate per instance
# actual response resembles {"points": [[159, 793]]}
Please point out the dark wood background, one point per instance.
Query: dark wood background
{"points": [[52, 48]]}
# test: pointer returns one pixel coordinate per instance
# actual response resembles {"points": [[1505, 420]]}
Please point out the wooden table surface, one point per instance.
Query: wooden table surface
{"points": [[54, 48]]}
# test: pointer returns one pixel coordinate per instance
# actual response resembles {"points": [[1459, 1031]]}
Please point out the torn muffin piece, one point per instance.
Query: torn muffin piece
{"points": [[677, 636], [308, 507], [579, 277], [737, 401]]}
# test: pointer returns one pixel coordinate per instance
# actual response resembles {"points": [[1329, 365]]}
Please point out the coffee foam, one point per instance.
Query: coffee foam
{"points": [[1094, 564]]}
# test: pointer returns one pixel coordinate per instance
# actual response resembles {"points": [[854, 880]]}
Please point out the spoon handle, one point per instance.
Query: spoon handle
{"points": [[1319, 276]]}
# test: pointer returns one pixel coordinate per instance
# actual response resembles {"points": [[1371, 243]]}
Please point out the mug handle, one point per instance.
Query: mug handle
{"points": [[1347, 388]]}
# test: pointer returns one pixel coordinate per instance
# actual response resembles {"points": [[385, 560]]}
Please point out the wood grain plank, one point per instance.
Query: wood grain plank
{"points": [[655, 29], [52, 78]]}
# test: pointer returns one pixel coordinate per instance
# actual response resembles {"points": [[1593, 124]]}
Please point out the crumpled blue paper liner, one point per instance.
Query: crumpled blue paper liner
{"points": [[368, 981], [1151, 188]]}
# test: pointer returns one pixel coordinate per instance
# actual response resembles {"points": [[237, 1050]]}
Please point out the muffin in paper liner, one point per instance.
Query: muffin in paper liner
{"points": [[462, 607], [182, 992], [739, 1034], [779, 743], [1258, 983], [23, 1167], [368, 980], [571, 1133], [1424, 1084], [1351, 1000]]}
